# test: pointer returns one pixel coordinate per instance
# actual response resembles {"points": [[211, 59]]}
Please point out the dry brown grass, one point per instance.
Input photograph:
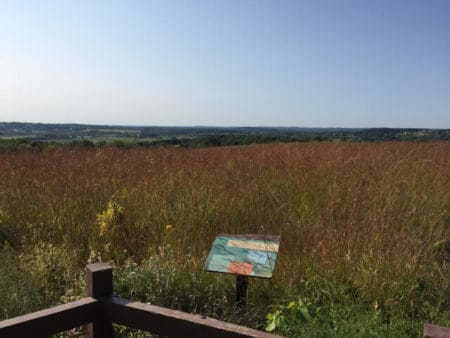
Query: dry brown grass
{"points": [[367, 213]]}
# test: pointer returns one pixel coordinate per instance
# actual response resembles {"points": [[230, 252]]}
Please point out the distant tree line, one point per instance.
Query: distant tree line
{"points": [[41, 136], [257, 136]]}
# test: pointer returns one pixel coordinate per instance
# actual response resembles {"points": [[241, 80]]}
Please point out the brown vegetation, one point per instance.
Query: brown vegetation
{"points": [[370, 214]]}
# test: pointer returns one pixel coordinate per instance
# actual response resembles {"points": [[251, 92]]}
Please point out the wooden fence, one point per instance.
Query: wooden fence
{"points": [[100, 309]]}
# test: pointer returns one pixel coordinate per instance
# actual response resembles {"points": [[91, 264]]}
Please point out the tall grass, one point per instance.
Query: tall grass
{"points": [[373, 217]]}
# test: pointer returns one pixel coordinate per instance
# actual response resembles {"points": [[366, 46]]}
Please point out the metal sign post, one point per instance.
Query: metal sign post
{"points": [[243, 256], [241, 290]]}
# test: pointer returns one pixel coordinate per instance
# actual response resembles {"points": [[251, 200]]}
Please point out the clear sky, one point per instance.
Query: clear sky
{"points": [[315, 63]]}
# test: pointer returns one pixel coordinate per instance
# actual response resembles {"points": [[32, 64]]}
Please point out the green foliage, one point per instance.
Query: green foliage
{"points": [[43, 276], [305, 318]]}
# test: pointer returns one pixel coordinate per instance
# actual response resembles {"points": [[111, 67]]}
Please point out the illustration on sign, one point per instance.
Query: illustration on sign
{"points": [[248, 255]]}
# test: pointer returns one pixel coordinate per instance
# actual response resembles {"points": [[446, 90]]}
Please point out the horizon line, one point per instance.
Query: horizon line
{"points": [[214, 126]]}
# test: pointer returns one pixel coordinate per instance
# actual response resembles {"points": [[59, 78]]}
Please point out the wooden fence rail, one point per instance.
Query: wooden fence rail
{"points": [[51, 321], [99, 310], [435, 331]]}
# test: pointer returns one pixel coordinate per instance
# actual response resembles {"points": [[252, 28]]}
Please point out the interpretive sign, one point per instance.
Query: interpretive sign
{"points": [[245, 255]]}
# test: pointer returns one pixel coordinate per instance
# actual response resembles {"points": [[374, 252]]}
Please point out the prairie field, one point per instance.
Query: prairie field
{"points": [[365, 231]]}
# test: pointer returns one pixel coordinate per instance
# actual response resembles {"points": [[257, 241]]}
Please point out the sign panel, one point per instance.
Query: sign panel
{"points": [[247, 255]]}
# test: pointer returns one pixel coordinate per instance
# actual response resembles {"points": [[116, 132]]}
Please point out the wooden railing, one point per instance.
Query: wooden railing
{"points": [[99, 310], [435, 331]]}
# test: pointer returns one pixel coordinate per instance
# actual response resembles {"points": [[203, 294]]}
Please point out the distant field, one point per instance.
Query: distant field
{"points": [[206, 136], [365, 230]]}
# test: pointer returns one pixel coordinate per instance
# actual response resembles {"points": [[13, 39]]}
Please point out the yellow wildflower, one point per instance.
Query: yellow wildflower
{"points": [[108, 219]]}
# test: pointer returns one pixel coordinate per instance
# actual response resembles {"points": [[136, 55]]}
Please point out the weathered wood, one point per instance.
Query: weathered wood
{"points": [[172, 323], [50, 321], [99, 284], [99, 280], [100, 309], [435, 331]]}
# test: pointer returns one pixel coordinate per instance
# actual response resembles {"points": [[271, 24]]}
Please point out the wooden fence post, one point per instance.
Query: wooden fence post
{"points": [[99, 284]]}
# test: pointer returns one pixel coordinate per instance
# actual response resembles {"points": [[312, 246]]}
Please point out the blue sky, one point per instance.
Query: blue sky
{"points": [[346, 63]]}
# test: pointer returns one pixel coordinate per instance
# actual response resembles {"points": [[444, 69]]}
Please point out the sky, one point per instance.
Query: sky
{"points": [[315, 63]]}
